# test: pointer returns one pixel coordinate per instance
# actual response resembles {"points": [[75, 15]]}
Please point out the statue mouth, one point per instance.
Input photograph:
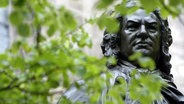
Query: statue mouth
{"points": [[143, 45]]}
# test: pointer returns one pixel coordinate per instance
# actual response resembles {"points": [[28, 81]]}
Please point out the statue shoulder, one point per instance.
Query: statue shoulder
{"points": [[75, 94]]}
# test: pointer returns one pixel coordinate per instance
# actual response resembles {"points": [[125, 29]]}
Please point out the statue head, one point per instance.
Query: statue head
{"points": [[140, 32]]}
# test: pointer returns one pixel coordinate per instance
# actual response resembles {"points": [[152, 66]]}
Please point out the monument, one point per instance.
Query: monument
{"points": [[148, 34]]}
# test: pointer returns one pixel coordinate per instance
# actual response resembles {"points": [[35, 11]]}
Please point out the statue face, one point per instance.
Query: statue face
{"points": [[140, 33]]}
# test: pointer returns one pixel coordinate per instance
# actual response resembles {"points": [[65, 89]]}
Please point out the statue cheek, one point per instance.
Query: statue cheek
{"points": [[131, 38], [156, 34], [157, 38]]}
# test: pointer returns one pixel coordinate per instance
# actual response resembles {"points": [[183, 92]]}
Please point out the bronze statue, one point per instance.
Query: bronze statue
{"points": [[150, 35], [139, 32]]}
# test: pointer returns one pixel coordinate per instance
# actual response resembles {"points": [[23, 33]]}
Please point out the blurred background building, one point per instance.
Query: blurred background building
{"points": [[83, 9], [4, 29]]}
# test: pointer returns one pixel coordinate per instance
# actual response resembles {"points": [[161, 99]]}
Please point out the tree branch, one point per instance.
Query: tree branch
{"points": [[11, 86], [77, 28], [8, 87], [38, 36], [3, 71], [33, 92]]}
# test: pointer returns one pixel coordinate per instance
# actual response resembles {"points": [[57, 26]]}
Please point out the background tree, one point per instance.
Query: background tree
{"points": [[29, 71]]}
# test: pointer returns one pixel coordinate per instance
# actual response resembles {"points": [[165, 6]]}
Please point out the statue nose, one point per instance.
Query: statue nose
{"points": [[143, 32]]}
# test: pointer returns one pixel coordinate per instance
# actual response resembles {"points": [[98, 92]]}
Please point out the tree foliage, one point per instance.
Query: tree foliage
{"points": [[29, 71]]}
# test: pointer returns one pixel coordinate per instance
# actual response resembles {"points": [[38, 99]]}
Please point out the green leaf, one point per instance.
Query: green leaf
{"points": [[91, 20], [19, 2], [51, 30], [144, 62], [149, 5], [66, 82], [82, 38], [111, 60], [16, 17], [175, 3], [64, 100], [24, 30], [18, 62], [94, 99], [104, 3], [135, 56], [164, 13], [143, 89], [5, 80], [81, 71], [67, 19], [147, 62], [121, 9], [3, 3], [132, 9], [110, 23]]}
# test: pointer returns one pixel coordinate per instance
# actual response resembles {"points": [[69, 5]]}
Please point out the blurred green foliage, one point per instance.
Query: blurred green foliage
{"points": [[28, 72]]}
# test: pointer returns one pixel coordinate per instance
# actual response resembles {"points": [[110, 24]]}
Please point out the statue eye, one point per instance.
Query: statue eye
{"points": [[152, 28], [132, 27]]}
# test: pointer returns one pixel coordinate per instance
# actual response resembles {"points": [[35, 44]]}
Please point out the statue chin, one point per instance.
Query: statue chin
{"points": [[145, 48], [145, 51]]}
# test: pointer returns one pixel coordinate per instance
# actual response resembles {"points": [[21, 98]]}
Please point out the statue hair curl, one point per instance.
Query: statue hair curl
{"points": [[111, 42]]}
